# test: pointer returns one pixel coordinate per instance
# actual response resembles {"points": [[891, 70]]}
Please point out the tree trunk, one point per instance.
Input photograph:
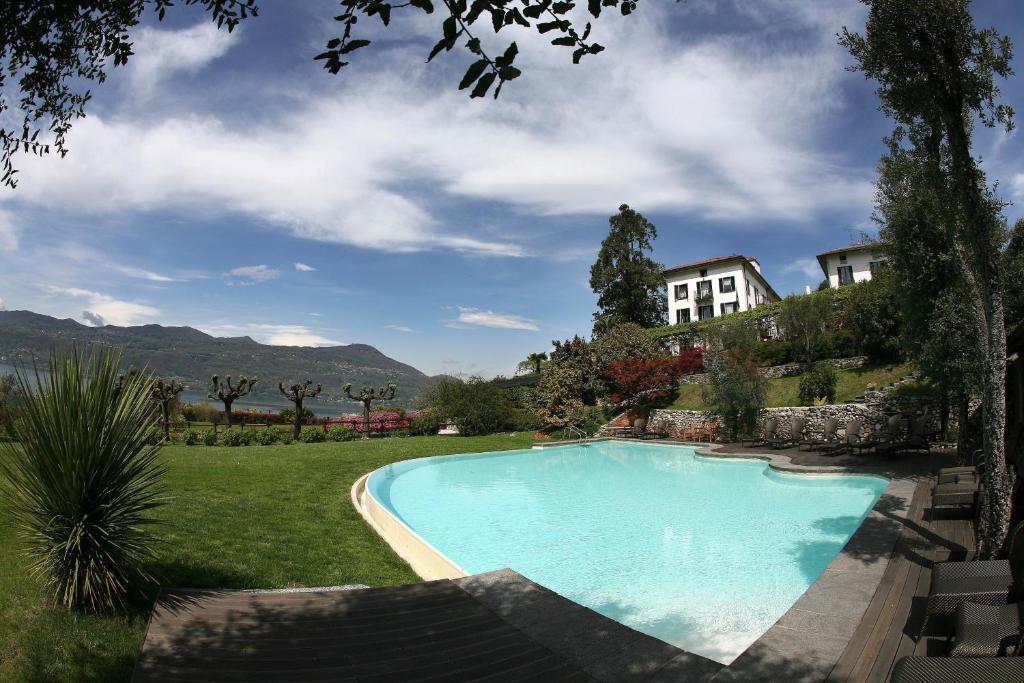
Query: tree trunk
{"points": [[227, 411], [298, 420], [963, 415], [944, 414], [165, 410], [366, 419], [997, 481]]}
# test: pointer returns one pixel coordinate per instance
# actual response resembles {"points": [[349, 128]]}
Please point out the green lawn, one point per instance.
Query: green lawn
{"points": [[256, 517], [786, 390]]}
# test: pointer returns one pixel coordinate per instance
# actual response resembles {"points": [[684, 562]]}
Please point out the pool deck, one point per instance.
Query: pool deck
{"points": [[852, 624]]}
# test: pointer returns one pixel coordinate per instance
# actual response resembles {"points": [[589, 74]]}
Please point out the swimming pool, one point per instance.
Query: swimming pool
{"points": [[704, 553]]}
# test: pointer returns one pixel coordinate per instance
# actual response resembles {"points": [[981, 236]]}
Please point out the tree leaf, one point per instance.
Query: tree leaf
{"points": [[473, 73], [483, 85]]}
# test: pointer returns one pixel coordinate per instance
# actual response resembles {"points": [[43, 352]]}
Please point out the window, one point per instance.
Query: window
{"points": [[730, 308], [845, 275], [682, 292], [842, 258], [704, 312], [727, 284], [875, 266], [703, 289], [703, 272], [682, 315]]}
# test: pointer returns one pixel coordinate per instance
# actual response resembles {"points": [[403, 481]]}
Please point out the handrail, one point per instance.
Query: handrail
{"points": [[573, 429]]}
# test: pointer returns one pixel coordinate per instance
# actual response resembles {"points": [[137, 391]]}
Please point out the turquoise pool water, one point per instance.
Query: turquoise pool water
{"points": [[700, 552]]}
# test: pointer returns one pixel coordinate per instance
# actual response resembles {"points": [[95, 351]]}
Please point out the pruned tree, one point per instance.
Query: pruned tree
{"points": [[297, 393], [367, 395], [227, 393], [165, 393], [936, 75]]}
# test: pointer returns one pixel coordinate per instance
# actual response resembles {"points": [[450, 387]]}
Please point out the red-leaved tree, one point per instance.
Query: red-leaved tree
{"points": [[644, 382]]}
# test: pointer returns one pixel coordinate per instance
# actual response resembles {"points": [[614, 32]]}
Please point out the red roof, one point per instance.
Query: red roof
{"points": [[709, 261], [852, 247]]}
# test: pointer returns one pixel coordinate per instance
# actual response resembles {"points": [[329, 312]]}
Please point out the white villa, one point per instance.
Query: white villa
{"points": [[846, 265], [715, 286]]}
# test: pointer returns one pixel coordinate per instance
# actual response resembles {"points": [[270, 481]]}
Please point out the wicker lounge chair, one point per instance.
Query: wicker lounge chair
{"points": [[792, 438], [917, 438], [827, 442], [988, 630], [851, 435], [883, 441], [771, 430], [958, 670], [991, 582]]}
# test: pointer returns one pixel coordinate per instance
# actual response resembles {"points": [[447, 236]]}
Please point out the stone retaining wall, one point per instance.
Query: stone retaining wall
{"points": [[788, 370]]}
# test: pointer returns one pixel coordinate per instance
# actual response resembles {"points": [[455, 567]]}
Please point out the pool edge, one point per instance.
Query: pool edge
{"points": [[426, 561]]}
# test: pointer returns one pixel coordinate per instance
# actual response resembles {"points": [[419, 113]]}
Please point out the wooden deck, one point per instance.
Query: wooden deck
{"points": [[893, 619], [429, 631]]}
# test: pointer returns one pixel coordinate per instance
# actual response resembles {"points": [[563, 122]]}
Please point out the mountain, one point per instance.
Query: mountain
{"points": [[195, 356]]}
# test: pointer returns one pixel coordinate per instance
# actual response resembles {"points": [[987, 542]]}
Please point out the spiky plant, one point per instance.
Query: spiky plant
{"points": [[83, 483]]}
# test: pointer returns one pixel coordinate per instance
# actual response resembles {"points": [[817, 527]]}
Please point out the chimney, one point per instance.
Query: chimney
{"points": [[807, 289]]}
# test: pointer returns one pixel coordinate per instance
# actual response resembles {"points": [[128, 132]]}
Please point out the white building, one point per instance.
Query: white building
{"points": [[855, 263], [714, 287]]}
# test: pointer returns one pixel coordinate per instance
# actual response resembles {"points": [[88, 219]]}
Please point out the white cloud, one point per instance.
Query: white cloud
{"points": [[144, 274], [161, 53], [300, 266], [805, 266], [1017, 187], [107, 308], [254, 274], [400, 328], [482, 318], [3, 305], [8, 233], [93, 319], [276, 335], [727, 128]]}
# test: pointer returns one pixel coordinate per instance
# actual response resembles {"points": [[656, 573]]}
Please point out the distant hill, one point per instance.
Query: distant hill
{"points": [[194, 356]]}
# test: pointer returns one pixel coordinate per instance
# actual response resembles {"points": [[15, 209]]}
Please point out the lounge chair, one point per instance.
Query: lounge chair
{"points": [[917, 438], [957, 670], [792, 438], [988, 630], [851, 435], [827, 442], [771, 430], [883, 441], [956, 494], [989, 582]]}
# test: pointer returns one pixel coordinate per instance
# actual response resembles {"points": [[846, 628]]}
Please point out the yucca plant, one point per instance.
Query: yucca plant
{"points": [[84, 480]]}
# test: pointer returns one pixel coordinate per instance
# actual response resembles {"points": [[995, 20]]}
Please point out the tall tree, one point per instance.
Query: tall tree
{"points": [[936, 77], [165, 395], [628, 282], [1011, 269], [534, 362]]}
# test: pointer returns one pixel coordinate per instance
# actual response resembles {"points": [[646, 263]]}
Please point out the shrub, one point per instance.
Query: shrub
{"points": [[342, 433], [775, 352], [737, 391], [153, 436], [649, 382], [819, 383], [264, 437], [209, 438], [802, 318], [838, 344], [425, 424], [201, 412], [590, 418], [190, 437], [288, 416], [872, 315], [84, 481], [627, 340], [312, 434], [235, 437], [476, 407]]}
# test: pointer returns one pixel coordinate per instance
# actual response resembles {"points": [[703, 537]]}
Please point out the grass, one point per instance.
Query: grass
{"points": [[250, 517], [785, 391]]}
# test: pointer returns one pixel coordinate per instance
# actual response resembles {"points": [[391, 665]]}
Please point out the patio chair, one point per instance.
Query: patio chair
{"points": [[792, 438], [851, 435], [771, 430], [917, 437], [828, 439], [883, 441], [956, 494], [641, 431], [956, 670], [989, 582]]}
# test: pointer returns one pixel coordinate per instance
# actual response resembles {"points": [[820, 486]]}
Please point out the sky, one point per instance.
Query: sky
{"points": [[227, 182]]}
